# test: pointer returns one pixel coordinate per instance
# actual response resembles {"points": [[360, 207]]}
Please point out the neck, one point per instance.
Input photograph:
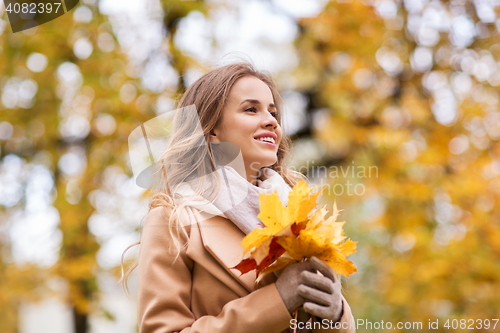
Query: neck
{"points": [[252, 174], [252, 178]]}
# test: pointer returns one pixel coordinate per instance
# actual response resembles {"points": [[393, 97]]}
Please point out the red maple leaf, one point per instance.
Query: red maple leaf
{"points": [[246, 265], [275, 251]]}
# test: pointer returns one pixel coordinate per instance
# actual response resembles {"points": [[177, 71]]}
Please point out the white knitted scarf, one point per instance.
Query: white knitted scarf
{"points": [[238, 199]]}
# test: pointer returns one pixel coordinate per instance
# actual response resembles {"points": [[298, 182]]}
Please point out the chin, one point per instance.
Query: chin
{"points": [[269, 163], [261, 161]]}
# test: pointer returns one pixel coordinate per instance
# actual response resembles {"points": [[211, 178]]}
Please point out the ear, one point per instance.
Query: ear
{"points": [[213, 137]]}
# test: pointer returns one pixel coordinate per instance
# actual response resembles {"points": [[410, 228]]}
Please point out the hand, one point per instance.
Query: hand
{"points": [[321, 293], [289, 281]]}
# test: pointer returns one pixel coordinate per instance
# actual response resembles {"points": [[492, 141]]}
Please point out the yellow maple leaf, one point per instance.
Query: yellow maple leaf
{"points": [[277, 218], [306, 245], [301, 202], [322, 239], [297, 231], [338, 261], [348, 248]]}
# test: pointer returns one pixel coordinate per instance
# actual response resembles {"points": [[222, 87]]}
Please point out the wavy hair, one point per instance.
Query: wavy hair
{"points": [[208, 94]]}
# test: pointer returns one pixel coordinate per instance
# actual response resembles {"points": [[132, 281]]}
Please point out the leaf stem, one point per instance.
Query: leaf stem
{"points": [[296, 316]]}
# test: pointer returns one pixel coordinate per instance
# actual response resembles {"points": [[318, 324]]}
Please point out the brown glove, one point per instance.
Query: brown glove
{"points": [[321, 293], [289, 281]]}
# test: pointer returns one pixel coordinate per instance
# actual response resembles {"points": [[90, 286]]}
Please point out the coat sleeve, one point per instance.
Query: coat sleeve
{"points": [[164, 291]]}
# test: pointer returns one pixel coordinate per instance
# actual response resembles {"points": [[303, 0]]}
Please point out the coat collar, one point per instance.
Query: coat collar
{"points": [[222, 239]]}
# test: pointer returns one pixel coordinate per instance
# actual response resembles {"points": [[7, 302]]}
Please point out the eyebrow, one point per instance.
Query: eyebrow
{"points": [[254, 101]]}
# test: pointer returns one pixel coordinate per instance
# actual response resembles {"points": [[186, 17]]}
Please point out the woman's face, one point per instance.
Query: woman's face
{"points": [[249, 120]]}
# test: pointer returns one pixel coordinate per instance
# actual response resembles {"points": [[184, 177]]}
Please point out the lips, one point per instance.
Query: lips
{"points": [[268, 138]]}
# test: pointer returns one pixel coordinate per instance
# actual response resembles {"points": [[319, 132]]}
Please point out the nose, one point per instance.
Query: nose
{"points": [[269, 121]]}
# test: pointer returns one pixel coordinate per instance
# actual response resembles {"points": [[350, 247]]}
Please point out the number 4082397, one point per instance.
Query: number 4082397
{"points": [[32, 8], [471, 324]]}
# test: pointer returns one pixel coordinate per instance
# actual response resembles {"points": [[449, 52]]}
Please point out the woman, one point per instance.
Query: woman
{"points": [[186, 278]]}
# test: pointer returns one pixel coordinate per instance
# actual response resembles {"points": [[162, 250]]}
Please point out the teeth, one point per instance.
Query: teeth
{"points": [[268, 139]]}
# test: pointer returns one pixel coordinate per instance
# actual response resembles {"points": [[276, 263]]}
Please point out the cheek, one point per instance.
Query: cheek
{"points": [[239, 135], [245, 131], [279, 132]]}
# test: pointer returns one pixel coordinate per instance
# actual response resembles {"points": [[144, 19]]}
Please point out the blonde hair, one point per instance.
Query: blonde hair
{"points": [[208, 94]]}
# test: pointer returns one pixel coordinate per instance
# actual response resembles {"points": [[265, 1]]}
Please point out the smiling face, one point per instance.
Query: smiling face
{"points": [[249, 120]]}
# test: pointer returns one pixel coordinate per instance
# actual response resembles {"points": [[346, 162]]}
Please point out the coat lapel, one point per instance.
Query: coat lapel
{"points": [[222, 239]]}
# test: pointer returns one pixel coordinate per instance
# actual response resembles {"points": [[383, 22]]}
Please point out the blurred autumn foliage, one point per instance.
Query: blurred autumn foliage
{"points": [[72, 117], [405, 89], [412, 89]]}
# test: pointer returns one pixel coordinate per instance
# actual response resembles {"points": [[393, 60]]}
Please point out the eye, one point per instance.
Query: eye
{"points": [[274, 114], [253, 109]]}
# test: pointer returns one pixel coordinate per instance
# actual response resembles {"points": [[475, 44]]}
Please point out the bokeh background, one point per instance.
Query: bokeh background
{"points": [[394, 104]]}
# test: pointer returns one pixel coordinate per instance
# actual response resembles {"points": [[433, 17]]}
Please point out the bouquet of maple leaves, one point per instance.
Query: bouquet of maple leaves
{"points": [[295, 233]]}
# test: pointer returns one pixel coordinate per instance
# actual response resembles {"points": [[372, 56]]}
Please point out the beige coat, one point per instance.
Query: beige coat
{"points": [[200, 292]]}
